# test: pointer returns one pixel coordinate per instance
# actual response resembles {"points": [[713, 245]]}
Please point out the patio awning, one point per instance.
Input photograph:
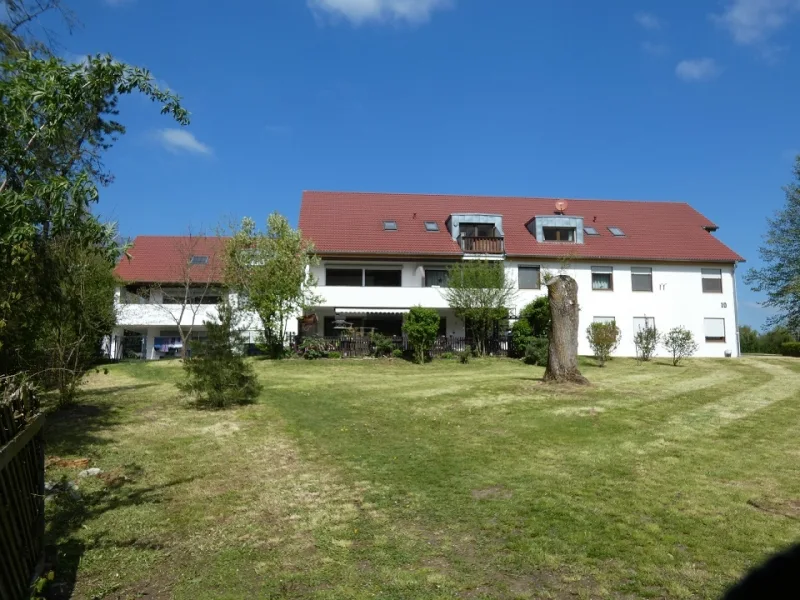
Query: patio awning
{"points": [[372, 311]]}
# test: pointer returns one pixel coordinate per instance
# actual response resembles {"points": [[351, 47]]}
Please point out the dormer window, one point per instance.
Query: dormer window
{"points": [[390, 225], [559, 234], [198, 260]]}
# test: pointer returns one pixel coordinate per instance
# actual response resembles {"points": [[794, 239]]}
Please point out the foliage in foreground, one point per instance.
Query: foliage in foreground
{"points": [[603, 339], [680, 343], [779, 278], [791, 349], [421, 327], [534, 322], [58, 119], [646, 341], [217, 375]]}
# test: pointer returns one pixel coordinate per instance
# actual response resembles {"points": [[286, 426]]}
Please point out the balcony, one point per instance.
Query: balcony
{"points": [[482, 245]]}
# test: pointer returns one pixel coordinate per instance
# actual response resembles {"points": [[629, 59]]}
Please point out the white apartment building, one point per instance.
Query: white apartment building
{"points": [[635, 263]]}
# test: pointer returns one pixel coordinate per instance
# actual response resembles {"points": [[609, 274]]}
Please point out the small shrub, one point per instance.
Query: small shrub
{"points": [[646, 342], [680, 343], [421, 327], [313, 348], [521, 335], [382, 345], [447, 356], [604, 339], [334, 355], [790, 349], [465, 355], [397, 353], [537, 352], [537, 313], [217, 375]]}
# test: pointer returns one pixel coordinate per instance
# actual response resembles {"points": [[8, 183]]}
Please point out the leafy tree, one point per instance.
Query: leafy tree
{"points": [[537, 313], [54, 127], [480, 294], [217, 374], [779, 278], [772, 341], [679, 342], [534, 322], [271, 272], [70, 337], [603, 338], [17, 34], [421, 327], [646, 341], [748, 340]]}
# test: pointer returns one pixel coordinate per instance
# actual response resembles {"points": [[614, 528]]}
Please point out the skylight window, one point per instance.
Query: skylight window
{"points": [[590, 231], [431, 226], [199, 260], [617, 231], [390, 225]]}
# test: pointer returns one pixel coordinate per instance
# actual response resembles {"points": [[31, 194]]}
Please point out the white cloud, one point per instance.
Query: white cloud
{"points": [[648, 21], [180, 140], [362, 11], [699, 69], [754, 21], [655, 49]]}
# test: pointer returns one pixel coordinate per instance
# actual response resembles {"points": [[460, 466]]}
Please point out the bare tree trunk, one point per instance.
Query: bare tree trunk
{"points": [[562, 362]]}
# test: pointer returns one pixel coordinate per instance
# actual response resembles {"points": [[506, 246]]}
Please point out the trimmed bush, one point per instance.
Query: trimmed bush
{"points": [[313, 348], [421, 327], [646, 342], [790, 349], [521, 336], [381, 345], [604, 339], [397, 353], [465, 355], [537, 352], [679, 341]]}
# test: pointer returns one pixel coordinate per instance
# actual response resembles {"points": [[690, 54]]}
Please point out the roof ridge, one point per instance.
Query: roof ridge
{"points": [[495, 197]]}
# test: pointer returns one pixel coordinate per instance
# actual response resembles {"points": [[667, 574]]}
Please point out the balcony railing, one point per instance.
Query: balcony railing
{"points": [[483, 245]]}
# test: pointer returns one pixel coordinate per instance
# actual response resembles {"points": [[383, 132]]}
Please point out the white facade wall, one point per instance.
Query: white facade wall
{"points": [[677, 299]]}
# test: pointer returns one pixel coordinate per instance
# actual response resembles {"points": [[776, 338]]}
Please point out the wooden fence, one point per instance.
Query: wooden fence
{"points": [[21, 491]]}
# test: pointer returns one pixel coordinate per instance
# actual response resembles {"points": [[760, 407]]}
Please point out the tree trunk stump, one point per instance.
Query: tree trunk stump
{"points": [[562, 361]]}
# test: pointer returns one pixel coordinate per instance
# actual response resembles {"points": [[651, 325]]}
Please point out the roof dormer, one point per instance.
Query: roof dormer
{"points": [[557, 228]]}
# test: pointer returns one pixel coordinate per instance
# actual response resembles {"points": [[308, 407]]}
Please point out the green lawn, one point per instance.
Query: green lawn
{"points": [[383, 479]]}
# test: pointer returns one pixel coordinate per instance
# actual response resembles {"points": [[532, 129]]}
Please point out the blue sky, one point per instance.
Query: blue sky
{"points": [[686, 100]]}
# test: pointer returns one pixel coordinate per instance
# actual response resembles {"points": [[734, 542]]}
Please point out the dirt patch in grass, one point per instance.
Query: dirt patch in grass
{"points": [[492, 493]]}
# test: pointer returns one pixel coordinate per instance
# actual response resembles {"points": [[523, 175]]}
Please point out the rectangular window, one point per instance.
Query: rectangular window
{"points": [[590, 231], [605, 320], [529, 278], [344, 277], [603, 279], [712, 281], [559, 234], [643, 323], [383, 278], [435, 278], [442, 327], [431, 226], [199, 260], [714, 330], [642, 279], [481, 230], [616, 232], [390, 225]]}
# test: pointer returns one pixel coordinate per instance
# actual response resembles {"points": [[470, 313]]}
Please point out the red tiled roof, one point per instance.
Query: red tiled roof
{"points": [[161, 259], [352, 223]]}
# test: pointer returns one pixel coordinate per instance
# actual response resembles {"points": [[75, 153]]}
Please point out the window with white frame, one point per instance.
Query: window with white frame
{"points": [[436, 278], [642, 279], [529, 278], [712, 281], [603, 279], [714, 330], [640, 323]]}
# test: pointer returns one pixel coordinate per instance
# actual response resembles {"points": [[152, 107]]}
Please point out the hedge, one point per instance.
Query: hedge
{"points": [[790, 349]]}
